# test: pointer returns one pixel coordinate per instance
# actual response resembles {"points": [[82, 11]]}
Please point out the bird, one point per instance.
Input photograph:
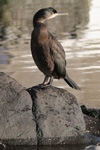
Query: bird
{"points": [[47, 52]]}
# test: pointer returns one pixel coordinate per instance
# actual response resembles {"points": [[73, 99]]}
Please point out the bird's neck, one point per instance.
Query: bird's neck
{"points": [[38, 21], [40, 26], [40, 31]]}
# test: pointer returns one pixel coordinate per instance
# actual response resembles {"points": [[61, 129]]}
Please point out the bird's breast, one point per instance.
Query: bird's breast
{"points": [[41, 53]]}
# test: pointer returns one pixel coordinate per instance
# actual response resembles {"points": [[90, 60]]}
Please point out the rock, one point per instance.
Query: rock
{"points": [[17, 125], [37, 116], [58, 116], [92, 125], [91, 112], [92, 120]]}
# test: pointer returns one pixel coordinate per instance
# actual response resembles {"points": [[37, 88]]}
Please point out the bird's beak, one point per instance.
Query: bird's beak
{"points": [[60, 14], [57, 14]]}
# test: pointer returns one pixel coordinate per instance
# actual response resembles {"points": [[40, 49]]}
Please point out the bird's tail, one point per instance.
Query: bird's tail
{"points": [[71, 83]]}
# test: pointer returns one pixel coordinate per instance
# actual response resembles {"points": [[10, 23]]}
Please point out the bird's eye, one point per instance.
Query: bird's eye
{"points": [[54, 11]]}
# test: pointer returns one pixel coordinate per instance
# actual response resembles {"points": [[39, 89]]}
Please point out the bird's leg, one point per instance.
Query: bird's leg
{"points": [[45, 80], [50, 81], [45, 84]]}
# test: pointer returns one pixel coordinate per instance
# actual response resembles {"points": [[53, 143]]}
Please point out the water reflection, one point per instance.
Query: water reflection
{"points": [[47, 148], [78, 33], [57, 147], [4, 56], [18, 16]]}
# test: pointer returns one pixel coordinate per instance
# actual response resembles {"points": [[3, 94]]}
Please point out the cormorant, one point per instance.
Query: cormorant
{"points": [[47, 52]]}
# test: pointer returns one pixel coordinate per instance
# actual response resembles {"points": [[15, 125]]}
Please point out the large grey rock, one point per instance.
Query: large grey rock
{"points": [[37, 116], [17, 125], [58, 116]]}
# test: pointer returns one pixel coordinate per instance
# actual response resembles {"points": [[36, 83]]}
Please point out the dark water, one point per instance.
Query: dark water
{"points": [[79, 33], [47, 148], [75, 147]]}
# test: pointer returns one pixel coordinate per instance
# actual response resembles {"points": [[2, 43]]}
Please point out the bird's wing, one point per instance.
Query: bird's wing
{"points": [[56, 46], [57, 55]]}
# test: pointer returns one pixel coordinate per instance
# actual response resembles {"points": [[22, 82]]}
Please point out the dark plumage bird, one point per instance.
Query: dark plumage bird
{"points": [[47, 52]]}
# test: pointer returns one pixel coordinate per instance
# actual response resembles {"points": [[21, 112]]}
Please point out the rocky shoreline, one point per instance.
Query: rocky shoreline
{"points": [[48, 116]]}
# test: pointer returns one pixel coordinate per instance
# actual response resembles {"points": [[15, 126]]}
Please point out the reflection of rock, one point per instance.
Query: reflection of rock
{"points": [[56, 116]]}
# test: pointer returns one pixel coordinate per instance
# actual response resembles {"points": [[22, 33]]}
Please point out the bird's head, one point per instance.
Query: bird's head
{"points": [[45, 14]]}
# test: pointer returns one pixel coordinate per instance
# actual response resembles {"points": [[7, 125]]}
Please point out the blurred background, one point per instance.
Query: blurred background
{"points": [[79, 33]]}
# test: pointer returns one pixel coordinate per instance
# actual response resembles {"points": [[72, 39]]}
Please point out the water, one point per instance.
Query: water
{"points": [[47, 148], [79, 33], [77, 147]]}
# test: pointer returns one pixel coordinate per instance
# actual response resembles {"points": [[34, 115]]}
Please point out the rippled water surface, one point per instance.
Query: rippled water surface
{"points": [[79, 33]]}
